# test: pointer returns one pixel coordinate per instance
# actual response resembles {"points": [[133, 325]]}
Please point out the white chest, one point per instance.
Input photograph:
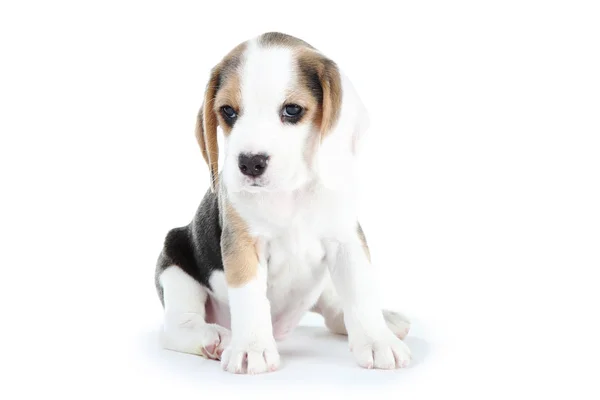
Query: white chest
{"points": [[296, 268]]}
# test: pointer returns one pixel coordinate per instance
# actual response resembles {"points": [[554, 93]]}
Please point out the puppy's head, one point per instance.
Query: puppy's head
{"points": [[287, 115]]}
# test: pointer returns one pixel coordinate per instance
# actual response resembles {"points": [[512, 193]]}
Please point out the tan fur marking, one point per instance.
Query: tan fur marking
{"points": [[200, 134], [363, 239], [321, 77], [301, 94], [318, 91], [207, 121], [229, 94], [240, 259], [332, 98], [210, 129]]}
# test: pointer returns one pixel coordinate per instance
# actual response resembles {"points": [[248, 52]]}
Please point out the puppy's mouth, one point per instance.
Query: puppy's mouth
{"points": [[254, 187], [255, 184]]}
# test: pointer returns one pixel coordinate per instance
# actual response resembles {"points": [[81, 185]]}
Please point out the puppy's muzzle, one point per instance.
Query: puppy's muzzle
{"points": [[253, 165]]}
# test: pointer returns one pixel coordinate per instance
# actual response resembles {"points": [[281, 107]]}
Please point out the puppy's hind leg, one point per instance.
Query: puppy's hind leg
{"points": [[185, 328], [329, 306]]}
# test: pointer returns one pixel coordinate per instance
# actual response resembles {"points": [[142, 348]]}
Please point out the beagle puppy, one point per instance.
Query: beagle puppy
{"points": [[277, 234]]}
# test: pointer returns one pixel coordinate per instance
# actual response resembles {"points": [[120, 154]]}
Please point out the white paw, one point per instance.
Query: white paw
{"points": [[398, 323], [206, 340], [213, 340], [253, 357], [383, 352]]}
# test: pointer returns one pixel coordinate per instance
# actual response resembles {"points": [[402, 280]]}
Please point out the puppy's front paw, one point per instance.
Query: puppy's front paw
{"points": [[250, 357], [385, 351]]}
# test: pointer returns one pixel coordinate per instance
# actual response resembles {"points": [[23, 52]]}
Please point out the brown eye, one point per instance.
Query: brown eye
{"points": [[291, 112], [228, 113]]}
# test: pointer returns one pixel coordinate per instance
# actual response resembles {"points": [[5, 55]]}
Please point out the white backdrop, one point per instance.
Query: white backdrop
{"points": [[480, 198]]}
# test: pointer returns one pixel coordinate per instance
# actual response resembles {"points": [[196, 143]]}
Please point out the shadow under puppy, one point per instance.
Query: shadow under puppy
{"points": [[277, 234]]}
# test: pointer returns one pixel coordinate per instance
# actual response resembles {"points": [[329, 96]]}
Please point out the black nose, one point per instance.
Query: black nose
{"points": [[253, 164]]}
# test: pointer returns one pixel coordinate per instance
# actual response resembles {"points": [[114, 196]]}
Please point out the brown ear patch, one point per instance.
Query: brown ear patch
{"points": [[229, 94], [207, 121], [321, 77], [210, 128], [363, 240], [238, 248], [200, 134]]}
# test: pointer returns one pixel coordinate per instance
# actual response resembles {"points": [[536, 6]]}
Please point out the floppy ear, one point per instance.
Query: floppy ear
{"points": [[343, 123], [206, 129], [331, 87]]}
